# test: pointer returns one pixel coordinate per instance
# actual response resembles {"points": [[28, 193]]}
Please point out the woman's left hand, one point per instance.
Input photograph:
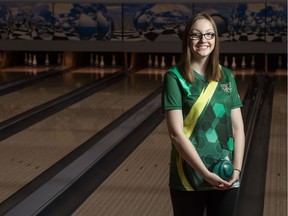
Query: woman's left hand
{"points": [[235, 178]]}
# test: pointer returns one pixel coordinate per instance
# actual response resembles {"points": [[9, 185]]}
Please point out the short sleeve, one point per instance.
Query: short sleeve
{"points": [[171, 93], [236, 100]]}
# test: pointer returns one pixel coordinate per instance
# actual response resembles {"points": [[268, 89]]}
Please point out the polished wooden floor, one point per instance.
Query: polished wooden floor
{"points": [[30, 152], [24, 99], [140, 185], [275, 202]]}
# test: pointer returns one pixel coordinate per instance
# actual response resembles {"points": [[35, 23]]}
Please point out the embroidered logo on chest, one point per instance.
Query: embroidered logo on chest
{"points": [[226, 87]]}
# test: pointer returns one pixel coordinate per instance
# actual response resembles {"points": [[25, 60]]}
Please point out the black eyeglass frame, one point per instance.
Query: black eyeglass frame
{"points": [[199, 36]]}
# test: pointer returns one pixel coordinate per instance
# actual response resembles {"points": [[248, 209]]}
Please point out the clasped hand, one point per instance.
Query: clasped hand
{"points": [[220, 184]]}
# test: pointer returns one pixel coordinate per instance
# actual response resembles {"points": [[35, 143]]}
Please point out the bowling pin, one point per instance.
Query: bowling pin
{"points": [[91, 59], [225, 61], [102, 63], [233, 63], [26, 59], [150, 61], [47, 60], [173, 61], [59, 59], [162, 76], [96, 61], [279, 61], [253, 61], [113, 61], [30, 60], [34, 61], [156, 63], [243, 65], [102, 73], [156, 74], [163, 64]]}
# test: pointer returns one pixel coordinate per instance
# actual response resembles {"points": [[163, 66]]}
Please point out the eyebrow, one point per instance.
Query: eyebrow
{"points": [[204, 31]]}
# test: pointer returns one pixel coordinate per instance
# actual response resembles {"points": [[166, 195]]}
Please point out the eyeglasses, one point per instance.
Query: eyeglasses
{"points": [[198, 36]]}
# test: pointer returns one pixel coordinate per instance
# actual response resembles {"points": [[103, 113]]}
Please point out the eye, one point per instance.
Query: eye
{"points": [[195, 35], [210, 35]]}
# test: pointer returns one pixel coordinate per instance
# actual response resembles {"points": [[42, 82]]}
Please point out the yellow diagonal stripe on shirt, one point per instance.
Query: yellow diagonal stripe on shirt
{"points": [[196, 110], [190, 122]]}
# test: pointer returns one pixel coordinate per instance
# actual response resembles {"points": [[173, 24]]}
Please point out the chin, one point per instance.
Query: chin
{"points": [[203, 54]]}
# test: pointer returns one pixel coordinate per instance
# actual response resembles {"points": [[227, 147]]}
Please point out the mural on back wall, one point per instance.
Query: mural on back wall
{"points": [[276, 22], [155, 22], [139, 22], [237, 22], [60, 21], [259, 22], [220, 13], [26, 21], [85, 21], [248, 21]]}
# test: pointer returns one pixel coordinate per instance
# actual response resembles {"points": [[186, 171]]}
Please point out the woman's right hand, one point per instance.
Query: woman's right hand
{"points": [[217, 182]]}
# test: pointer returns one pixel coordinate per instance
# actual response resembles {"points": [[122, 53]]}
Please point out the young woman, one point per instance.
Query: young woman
{"points": [[202, 110]]}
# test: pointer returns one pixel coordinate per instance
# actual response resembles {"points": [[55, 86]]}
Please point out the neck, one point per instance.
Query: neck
{"points": [[200, 66]]}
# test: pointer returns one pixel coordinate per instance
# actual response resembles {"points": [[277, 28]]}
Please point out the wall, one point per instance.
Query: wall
{"points": [[138, 26]]}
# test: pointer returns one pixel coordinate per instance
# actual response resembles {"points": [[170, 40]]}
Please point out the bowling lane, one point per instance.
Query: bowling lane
{"points": [[19, 72], [139, 186], [45, 90], [30, 152], [275, 201], [243, 79]]}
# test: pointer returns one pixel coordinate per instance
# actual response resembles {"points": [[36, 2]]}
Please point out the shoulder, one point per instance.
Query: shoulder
{"points": [[169, 76], [227, 72], [172, 73], [174, 70]]}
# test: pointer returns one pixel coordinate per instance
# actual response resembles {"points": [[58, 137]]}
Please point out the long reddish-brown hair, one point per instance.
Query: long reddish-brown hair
{"points": [[213, 69]]}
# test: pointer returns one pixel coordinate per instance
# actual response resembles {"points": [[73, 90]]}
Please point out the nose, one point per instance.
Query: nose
{"points": [[203, 38]]}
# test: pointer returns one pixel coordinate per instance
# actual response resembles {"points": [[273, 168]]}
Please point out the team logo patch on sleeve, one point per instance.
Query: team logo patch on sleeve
{"points": [[226, 87]]}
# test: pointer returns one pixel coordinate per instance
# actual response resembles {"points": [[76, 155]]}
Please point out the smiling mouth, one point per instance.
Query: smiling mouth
{"points": [[202, 47]]}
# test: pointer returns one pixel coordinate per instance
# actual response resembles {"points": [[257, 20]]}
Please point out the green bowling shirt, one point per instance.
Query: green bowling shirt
{"points": [[212, 135]]}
